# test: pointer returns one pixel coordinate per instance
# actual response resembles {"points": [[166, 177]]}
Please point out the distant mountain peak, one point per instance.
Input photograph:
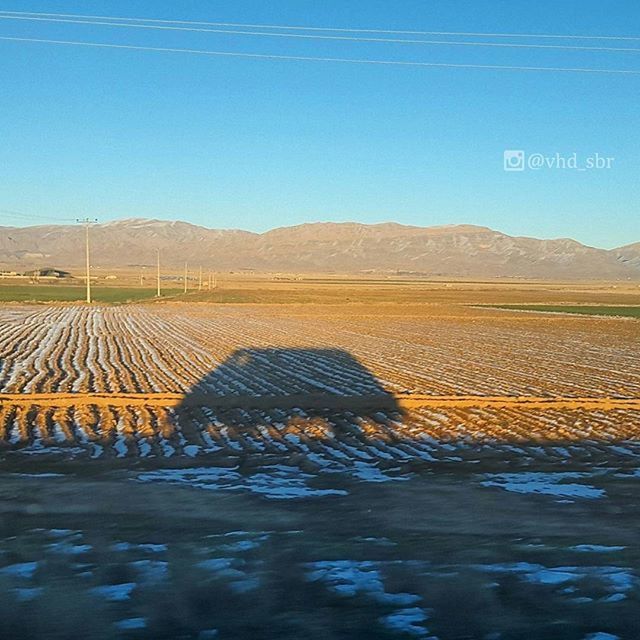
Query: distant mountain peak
{"points": [[142, 222]]}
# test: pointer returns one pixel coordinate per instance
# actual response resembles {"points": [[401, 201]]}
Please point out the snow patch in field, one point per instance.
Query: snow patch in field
{"points": [[370, 473], [351, 578], [550, 576], [614, 597], [97, 450], [20, 570], [228, 568], [151, 547], [167, 449], [191, 450], [147, 547], [115, 592], [66, 548], [550, 484], [211, 447], [58, 433], [245, 585], [363, 578], [144, 447], [244, 545], [27, 594], [382, 541], [216, 564], [151, 571], [614, 579], [37, 475], [282, 483], [279, 483], [63, 533], [129, 624], [347, 577], [407, 621], [15, 436], [120, 445], [37, 448], [596, 548]]}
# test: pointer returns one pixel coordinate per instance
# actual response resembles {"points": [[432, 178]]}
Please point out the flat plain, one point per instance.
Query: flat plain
{"points": [[339, 459]]}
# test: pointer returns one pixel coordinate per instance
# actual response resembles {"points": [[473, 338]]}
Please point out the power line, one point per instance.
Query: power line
{"points": [[306, 36], [269, 56], [330, 29], [27, 216]]}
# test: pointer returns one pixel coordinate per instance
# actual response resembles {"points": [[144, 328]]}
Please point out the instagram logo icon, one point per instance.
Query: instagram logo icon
{"points": [[513, 160]]}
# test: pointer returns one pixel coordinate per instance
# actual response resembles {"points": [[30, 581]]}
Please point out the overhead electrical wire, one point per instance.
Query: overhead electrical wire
{"points": [[28, 216], [154, 23], [306, 36], [329, 29], [268, 56]]}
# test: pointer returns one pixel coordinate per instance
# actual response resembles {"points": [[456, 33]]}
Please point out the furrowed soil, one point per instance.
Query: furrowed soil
{"points": [[342, 460]]}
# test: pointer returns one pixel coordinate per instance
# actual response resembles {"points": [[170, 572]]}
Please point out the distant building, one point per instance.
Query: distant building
{"points": [[48, 272]]}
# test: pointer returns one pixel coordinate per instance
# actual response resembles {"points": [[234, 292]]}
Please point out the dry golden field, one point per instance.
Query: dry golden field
{"points": [[395, 376]]}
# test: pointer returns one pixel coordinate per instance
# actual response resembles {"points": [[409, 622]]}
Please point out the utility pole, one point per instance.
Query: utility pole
{"points": [[200, 280], [209, 287], [185, 277], [158, 272], [87, 222]]}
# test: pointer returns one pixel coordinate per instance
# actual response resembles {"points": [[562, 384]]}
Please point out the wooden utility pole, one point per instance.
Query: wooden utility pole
{"points": [[86, 222], [185, 277], [200, 280], [158, 272]]}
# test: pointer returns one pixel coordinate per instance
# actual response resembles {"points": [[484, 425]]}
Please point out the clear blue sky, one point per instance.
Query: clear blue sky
{"points": [[256, 144]]}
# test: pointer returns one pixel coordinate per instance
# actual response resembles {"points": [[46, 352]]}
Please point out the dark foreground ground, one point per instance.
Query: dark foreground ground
{"points": [[459, 550]]}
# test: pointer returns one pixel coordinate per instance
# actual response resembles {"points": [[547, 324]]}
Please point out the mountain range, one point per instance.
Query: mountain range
{"points": [[450, 251]]}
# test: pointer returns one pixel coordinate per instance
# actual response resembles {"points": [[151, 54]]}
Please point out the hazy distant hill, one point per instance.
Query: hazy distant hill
{"points": [[453, 250], [629, 255]]}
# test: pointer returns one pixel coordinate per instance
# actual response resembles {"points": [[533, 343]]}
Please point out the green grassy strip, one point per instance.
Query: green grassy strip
{"points": [[630, 312], [66, 293]]}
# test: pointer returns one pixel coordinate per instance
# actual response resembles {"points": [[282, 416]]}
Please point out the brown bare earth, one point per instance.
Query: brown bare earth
{"points": [[311, 400]]}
